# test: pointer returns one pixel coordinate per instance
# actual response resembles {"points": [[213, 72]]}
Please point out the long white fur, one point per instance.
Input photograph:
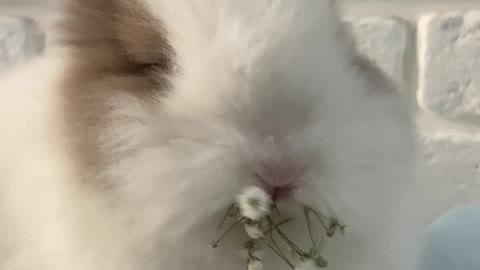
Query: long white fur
{"points": [[256, 80]]}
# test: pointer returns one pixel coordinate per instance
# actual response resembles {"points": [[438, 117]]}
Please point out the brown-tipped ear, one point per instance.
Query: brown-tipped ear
{"points": [[115, 49], [115, 36]]}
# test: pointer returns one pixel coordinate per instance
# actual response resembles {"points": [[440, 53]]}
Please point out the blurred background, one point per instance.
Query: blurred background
{"points": [[431, 48]]}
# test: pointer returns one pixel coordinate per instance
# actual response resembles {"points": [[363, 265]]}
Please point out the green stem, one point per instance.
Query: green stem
{"points": [[215, 243], [307, 217], [283, 222], [286, 239], [250, 252], [280, 254], [319, 218], [277, 209], [226, 216], [322, 245], [277, 246]]}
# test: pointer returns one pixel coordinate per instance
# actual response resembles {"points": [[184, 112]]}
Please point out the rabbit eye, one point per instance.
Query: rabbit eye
{"points": [[148, 68]]}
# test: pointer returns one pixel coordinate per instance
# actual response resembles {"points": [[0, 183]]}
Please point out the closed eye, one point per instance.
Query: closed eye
{"points": [[147, 68]]}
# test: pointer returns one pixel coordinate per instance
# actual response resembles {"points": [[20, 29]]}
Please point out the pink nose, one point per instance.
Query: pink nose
{"points": [[279, 177]]}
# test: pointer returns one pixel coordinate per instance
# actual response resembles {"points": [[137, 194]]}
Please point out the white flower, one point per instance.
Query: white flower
{"points": [[254, 203], [311, 264], [253, 230], [255, 264], [307, 264]]}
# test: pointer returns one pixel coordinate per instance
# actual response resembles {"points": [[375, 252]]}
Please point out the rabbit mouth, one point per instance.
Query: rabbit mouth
{"points": [[279, 178], [280, 193]]}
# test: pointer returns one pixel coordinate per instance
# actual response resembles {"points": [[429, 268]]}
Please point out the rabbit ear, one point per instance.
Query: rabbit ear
{"points": [[117, 58], [116, 36]]}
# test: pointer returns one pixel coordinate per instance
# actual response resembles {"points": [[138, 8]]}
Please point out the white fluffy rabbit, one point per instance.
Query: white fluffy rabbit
{"points": [[122, 148]]}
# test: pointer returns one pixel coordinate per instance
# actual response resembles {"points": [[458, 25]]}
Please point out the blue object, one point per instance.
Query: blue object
{"points": [[453, 241]]}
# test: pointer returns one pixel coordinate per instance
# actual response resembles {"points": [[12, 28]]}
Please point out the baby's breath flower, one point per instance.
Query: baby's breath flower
{"points": [[311, 263], [254, 203], [255, 264], [253, 208], [306, 265], [253, 230]]}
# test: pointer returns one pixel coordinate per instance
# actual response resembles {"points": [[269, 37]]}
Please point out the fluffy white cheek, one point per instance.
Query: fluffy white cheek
{"points": [[170, 181], [366, 179]]}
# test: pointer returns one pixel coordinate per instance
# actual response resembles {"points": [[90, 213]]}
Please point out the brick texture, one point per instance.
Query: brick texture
{"points": [[449, 62], [19, 41], [388, 42]]}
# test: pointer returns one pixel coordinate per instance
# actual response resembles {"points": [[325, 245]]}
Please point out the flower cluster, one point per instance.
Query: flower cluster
{"points": [[254, 209]]}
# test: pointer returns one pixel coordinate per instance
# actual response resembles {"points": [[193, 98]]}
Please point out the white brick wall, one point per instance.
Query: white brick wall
{"points": [[429, 48], [450, 64], [20, 39]]}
